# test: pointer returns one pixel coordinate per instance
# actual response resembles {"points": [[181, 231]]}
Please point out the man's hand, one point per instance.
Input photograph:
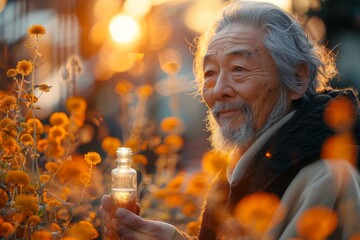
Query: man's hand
{"points": [[127, 225]]}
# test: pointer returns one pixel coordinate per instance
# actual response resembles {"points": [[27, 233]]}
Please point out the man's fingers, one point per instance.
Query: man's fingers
{"points": [[106, 202], [130, 219]]}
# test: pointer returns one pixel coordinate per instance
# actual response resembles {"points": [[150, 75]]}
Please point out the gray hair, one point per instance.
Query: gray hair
{"points": [[285, 39]]}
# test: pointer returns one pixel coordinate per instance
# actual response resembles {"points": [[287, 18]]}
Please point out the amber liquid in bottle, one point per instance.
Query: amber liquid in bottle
{"points": [[123, 182]]}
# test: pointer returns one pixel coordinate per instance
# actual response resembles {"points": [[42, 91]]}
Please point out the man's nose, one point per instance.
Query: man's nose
{"points": [[224, 88]]}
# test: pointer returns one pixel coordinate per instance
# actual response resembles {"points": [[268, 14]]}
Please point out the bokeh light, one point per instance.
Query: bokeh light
{"points": [[124, 29]]}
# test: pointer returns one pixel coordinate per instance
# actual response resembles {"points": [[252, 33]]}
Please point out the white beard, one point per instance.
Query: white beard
{"points": [[226, 138]]}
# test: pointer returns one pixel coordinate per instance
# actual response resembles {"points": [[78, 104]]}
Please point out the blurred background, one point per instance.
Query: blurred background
{"points": [[123, 44]]}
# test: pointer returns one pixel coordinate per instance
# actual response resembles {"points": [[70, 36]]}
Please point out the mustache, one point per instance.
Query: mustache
{"points": [[237, 106]]}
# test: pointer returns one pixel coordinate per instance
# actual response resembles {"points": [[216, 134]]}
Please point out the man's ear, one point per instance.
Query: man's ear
{"points": [[302, 78]]}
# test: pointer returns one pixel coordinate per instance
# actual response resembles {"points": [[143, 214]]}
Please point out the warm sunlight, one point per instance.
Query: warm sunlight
{"points": [[124, 29]]}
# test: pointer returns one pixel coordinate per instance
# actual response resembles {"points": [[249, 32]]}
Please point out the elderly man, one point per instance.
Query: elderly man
{"points": [[266, 86]]}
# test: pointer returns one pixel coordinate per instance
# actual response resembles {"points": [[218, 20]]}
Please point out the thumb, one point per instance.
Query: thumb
{"points": [[129, 219]]}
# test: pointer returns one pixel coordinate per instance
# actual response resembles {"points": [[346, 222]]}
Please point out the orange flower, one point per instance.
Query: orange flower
{"points": [[25, 202], [12, 72], [34, 122], [51, 167], [53, 204], [6, 229], [8, 103], [254, 212], [174, 142], [42, 145], [212, 162], [36, 31], [44, 178], [42, 235], [34, 220], [63, 214], [3, 198], [355, 236], [17, 177], [43, 87], [92, 158], [123, 87], [198, 184], [8, 126], [340, 113], [144, 91], [176, 182], [83, 230], [10, 145], [55, 227], [317, 223], [57, 132], [162, 149], [76, 104], [174, 200], [29, 99], [59, 119], [110, 144], [132, 143], [340, 147], [172, 125], [27, 139], [24, 67], [140, 158]]}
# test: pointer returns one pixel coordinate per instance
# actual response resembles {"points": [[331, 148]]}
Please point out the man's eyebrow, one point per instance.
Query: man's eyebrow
{"points": [[242, 52]]}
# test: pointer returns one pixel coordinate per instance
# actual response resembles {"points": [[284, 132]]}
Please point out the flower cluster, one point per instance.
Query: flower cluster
{"points": [[44, 183]]}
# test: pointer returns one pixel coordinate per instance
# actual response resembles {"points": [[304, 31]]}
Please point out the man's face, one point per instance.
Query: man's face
{"points": [[241, 85]]}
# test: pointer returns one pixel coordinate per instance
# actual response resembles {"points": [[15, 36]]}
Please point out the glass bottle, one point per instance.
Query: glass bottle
{"points": [[123, 182]]}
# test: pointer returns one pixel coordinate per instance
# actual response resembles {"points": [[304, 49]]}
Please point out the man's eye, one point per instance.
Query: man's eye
{"points": [[238, 69], [208, 74]]}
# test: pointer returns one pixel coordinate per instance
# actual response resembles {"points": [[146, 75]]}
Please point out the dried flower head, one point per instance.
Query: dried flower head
{"points": [[8, 126], [92, 158], [36, 31], [83, 230], [76, 104], [43, 87], [6, 229], [34, 220], [27, 139], [59, 118], [8, 103], [52, 167], [57, 132], [3, 198], [35, 123], [254, 212], [12, 72], [172, 125], [317, 223], [174, 142], [53, 204], [25, 202], [42, 234], [123, 87], [17, 177], [24, 67], [140, 158], [144, 91], [110, 144], [42, 145]]}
